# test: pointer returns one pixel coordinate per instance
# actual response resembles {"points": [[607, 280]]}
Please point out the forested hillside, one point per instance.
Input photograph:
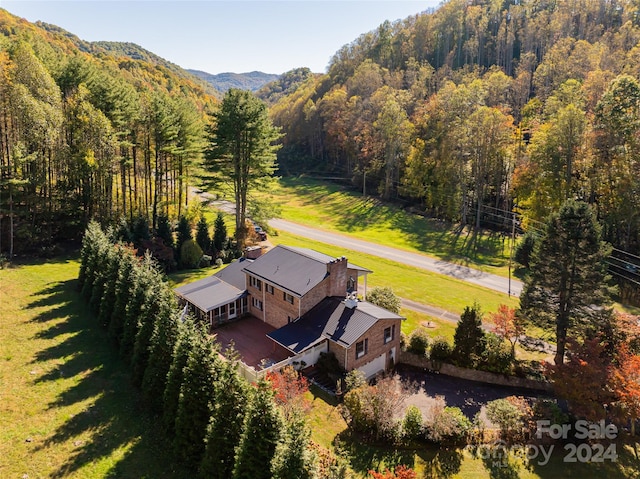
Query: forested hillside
{"points": [[244, 81], [484, 108], [90, 130]]}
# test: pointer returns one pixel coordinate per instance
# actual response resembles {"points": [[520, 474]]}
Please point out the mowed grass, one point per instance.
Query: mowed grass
{"points": [[67, 407], [339, 209], [408, 282]]}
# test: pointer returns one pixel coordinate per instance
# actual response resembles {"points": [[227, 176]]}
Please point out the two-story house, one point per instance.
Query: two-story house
{"points": [[310, 299]]}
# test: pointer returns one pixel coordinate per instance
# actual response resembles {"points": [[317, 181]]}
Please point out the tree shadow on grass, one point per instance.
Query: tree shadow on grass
{"points": [[113, 419]]}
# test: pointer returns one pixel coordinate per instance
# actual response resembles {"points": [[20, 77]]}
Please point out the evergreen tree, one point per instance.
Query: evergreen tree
{"points": [[293, 459], [260, 435], [566, 290], [111, 279], [219, 233], [183, 234], [142, 275], [242, 148], [161, 347], [164, 231], [104, 255], [140, 230], [202, 234], [159, 302], [225, 429], [196, 400], [469, 338], [122, 294], [187, 336], [90, 242]]}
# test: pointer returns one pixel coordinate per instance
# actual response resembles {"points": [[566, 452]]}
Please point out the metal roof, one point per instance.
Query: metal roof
{"points": [[233, 273], [209, 293], [333, 320], [297, 270]]}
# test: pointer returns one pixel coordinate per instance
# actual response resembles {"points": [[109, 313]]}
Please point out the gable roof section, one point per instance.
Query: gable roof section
{"points": [[297, 270], [216, 290], [290, 269], [330, 319]]}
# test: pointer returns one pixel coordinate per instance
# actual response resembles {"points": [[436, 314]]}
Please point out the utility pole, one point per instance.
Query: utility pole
{"points": [[513, 237]]}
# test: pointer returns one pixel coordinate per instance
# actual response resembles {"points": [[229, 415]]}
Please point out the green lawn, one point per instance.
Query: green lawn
{"points": [[67, 407], [343, 210]]}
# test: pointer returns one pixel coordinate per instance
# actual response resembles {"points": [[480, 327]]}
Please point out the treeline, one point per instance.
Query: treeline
{"points": [[220, 426], [482, 109], [83, 136]]}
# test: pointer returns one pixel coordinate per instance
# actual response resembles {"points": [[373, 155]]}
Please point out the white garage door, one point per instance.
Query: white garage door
{"points": [[374, 367]]}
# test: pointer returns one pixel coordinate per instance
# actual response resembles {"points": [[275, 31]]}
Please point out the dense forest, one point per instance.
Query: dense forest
{"points": [[90, 130], [485, 112]]}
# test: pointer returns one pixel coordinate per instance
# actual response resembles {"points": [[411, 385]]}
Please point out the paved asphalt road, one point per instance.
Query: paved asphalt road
{"points": [[491, 281]]}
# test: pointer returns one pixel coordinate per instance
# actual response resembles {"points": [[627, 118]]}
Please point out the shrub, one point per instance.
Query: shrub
{"points": [[469, 338], [450, 427], [419, 341], [440, 350], [385, 298], [497, 356], [190, 254], [412, 423], [523, 251], [354, 379], [512, 415], [327, 363], [549, 410]]}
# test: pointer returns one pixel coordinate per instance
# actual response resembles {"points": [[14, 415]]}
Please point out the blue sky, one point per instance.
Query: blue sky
{"points": [[225, 36]]}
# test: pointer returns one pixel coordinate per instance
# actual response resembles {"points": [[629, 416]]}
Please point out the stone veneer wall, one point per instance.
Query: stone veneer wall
{"points": [[471, 374]]}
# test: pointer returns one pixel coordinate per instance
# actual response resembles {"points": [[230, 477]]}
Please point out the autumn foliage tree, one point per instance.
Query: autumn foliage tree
{"points": [[289, 387], [508, 325], [400, 472], [626, 384]]}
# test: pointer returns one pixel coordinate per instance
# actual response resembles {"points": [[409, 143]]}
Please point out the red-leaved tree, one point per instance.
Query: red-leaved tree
{"points": [[626, 384], [290, 387], [401, 472], [508, 325]]}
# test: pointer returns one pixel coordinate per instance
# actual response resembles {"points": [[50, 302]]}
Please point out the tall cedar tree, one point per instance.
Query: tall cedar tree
{"points": [[183, 234], [90, 240], [159, 302], [161, 347], [566, 289], [122, 295], [293, 459], [103, 257], [242, 148], [116, 257], [187, 336], [469, 339], [196, 400], [202, 234], [260, 435], [219, 233], [164, 231], [142, 278], [225, 429]]}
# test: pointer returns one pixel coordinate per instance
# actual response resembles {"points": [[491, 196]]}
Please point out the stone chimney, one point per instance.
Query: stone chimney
{"points": [[337, 269]]}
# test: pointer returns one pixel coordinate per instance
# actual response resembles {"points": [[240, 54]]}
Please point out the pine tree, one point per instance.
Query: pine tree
{"points": [[469, 338], [161, 347], [107, 301], [159, 302], [225, 429], [164, 231], [260, 435], [122, 295], [183, 234], [293, 459], [90, 241], [140, 284], [196, 400], [202, 234], [187, 336], [566, 290], [219, 233]]}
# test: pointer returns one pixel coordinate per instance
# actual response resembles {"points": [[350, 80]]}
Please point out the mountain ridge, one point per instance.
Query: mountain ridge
{"points": [[222, 82]]}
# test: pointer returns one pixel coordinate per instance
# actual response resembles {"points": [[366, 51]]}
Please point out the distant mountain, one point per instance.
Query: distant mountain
{"points": [[252, 81]]}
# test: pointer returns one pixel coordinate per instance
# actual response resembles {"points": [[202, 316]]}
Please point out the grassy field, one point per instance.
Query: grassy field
{"points": [[343, 210], [67, 407]]}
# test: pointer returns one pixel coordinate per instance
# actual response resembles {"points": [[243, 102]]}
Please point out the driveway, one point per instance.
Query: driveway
{"points": [[469, 396]]}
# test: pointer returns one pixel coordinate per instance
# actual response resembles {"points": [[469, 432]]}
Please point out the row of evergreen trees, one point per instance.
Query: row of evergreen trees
{"points": [[219, 424]]}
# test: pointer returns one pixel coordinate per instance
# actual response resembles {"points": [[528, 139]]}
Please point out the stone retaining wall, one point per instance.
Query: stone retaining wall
{"points": [[471, 374]]}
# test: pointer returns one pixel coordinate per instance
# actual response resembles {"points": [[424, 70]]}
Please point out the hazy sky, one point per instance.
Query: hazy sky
{"points": [[239, 36]]}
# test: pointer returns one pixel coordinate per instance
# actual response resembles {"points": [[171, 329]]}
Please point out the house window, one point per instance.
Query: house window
{"points": [[257, 304], [287, 297], [255, 282], [361, 348], [268, 288], [389, 333]]}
